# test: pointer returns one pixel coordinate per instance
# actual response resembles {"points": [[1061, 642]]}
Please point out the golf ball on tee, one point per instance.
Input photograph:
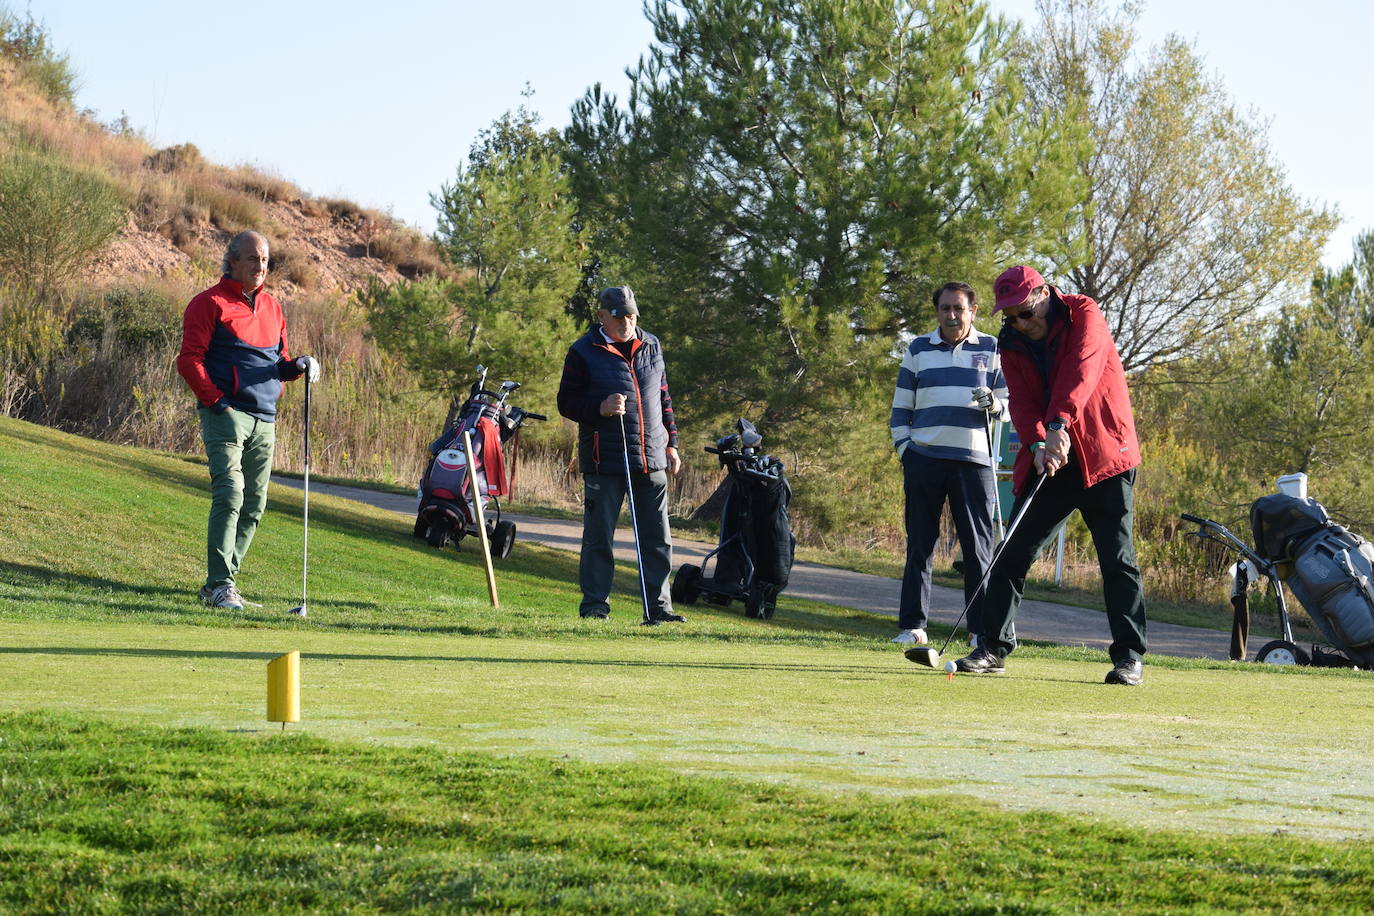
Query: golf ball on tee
{"points": [[951, 667]]}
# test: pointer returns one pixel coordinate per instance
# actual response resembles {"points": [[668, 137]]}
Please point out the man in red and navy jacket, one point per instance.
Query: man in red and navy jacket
{"points": [[234, 356], [1072, 412], [615, 388]]}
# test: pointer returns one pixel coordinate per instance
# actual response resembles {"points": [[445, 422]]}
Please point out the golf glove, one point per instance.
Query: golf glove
{"points": [[983, 399], [310, 367]]}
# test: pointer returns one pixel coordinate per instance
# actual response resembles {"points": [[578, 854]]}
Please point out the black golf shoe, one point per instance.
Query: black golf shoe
{"points": [[980, 661], [594, 613], [667, 617], [1129, 672]]}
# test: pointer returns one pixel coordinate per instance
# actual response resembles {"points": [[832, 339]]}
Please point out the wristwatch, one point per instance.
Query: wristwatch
{"points": [[1058, 425]]}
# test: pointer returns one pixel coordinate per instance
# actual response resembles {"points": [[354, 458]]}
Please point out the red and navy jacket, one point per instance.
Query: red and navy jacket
{"points": [[1077, 376], [233, 350], [595, 369]]}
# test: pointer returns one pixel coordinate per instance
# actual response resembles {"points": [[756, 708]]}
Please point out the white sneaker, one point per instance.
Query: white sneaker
{"points": [[222, 596], [916, 637]]}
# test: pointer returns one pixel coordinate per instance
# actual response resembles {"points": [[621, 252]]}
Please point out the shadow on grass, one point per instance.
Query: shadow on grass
{"points": [[456, 659]]}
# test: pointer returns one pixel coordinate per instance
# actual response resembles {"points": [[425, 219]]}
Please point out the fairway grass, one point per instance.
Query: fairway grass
{"points": [[1217, 749], [456, 755]]}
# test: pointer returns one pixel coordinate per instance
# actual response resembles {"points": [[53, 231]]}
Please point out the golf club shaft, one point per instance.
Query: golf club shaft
{"points": [[634, 519], [993, 457], [305, 533], [996, 555]]}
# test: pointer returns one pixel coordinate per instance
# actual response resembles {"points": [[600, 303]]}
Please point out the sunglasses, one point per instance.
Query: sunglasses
{"points": [[1023, 315]]}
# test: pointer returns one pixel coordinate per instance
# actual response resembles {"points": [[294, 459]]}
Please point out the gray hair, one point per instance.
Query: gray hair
{"points": [[231, 253]]}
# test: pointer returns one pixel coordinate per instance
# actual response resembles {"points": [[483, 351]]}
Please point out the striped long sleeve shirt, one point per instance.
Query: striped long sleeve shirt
{"points": [[932, 409]]}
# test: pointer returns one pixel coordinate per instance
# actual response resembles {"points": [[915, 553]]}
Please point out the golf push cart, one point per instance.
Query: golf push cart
{"points": [[445, 510], [754, 557], [1329, 570]]}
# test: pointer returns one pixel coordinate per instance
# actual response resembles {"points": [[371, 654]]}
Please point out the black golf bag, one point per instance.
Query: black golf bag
{"points": [[1329, 569], [754, 557], [445, 510]]}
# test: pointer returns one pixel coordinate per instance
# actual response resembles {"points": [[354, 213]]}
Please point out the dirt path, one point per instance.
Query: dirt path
{"points": [[1038, 620]]}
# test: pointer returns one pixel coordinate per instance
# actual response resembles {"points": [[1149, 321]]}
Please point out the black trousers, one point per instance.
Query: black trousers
{"points": [[970, 490], [1108, 508]]}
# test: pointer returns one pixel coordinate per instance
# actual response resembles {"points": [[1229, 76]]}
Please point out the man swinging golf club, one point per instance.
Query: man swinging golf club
{"points": [[234, 357], [1070, 406], [615, 389]]}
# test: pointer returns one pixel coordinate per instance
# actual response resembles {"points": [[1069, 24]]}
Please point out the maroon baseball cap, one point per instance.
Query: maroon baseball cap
{"points": [[1014, 285]]}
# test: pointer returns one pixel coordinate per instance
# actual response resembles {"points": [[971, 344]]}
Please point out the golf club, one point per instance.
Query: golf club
{"points": [[300, 610], [475, 489], [924, 655], [992, 454], [634, 523]]}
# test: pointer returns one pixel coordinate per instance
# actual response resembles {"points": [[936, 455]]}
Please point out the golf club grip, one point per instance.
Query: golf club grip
{"points": [[1194, 519], [534, 416]]}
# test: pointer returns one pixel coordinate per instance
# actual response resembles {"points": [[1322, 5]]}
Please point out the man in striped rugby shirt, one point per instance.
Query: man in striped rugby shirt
{"points": [[949, 388]]}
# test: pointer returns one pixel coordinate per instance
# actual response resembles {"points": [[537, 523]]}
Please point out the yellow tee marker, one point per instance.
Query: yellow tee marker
{"points": [[284, 689]]}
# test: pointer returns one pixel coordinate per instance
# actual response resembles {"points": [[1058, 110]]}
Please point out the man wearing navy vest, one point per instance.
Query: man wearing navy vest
{"points": [[234, 357], [614, 375]]}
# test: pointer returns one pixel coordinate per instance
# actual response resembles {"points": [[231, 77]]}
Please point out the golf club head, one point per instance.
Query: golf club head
{"points": [[509, 386], [923, 655], [298, 611]]}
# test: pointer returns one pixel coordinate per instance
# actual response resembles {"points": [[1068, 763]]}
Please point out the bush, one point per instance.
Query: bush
{"points": [[184, 157], [408, 251], [28, 43], [291, 263], [135, 318], [266, 188], [52, 217]]}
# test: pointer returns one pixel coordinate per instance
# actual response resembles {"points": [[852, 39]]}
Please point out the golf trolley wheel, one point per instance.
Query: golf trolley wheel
{"points": [[1282, 652], [686, 584], [760, 602], [502, 539], [436, 535]]}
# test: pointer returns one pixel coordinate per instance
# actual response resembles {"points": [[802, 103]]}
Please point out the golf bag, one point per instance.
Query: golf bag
{"points": [[1329, 569], [445, 510], [754, 558]]}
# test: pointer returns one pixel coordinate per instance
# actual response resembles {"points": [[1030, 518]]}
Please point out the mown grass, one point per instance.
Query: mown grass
{"points": [[458, 756], [98, 818]]}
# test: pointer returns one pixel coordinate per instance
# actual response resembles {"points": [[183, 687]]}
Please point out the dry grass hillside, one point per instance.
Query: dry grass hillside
{"points": [[182, 209]]}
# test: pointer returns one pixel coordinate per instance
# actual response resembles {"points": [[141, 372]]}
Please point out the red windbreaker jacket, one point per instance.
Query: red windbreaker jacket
{"points": [[1087, 387]]}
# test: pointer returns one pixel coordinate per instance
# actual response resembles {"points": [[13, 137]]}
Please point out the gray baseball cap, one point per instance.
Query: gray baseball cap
{"points": [[618, 300]]}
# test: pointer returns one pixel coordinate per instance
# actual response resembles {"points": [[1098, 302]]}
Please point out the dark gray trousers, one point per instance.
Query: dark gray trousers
{"points": [[604, 494], [1108, 508], [970, 490]]}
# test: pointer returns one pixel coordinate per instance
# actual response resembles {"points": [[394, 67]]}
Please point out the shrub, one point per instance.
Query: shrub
{"points": [[345, 210], [266, 188], [408, 251], [184, 157], [292, 263], [229, 211], [136, 318], [28, 43], [52, 217]]}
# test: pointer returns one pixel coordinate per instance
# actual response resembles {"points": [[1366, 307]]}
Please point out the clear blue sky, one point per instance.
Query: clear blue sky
{"points": [[379, 102]]}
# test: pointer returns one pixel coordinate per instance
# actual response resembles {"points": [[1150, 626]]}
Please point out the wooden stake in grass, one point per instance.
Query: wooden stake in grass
{"points": [[478, 514]]}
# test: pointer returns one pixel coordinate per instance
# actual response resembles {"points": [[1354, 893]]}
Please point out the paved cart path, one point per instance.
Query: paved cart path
{"points": [[1039, 620]]}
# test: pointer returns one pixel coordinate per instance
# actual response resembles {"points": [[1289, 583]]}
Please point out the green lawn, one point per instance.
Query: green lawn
{"points": [[456, 756]]}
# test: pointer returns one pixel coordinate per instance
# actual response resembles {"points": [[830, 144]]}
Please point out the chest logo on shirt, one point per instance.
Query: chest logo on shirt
{"points": [[980, 361]]}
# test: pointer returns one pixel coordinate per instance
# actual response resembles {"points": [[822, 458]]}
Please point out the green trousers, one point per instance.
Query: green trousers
{"points": [[239, 447]]}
